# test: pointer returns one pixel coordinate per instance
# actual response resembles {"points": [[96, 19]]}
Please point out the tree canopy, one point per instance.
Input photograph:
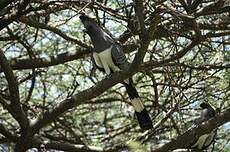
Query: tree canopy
{"points": [[51, 93]]}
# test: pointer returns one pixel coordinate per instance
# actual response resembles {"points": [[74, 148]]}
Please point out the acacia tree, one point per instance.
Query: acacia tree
{"points": [[51, 94]]}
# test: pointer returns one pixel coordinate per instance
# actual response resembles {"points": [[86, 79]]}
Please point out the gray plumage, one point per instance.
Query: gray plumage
{"points": [[99, 38], [101, 41], [109, 57], [206, 113], [119, 57]]}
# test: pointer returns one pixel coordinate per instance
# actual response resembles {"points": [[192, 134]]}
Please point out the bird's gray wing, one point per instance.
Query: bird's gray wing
{"points": [[119, 57], [207, 114], [211, 112]]}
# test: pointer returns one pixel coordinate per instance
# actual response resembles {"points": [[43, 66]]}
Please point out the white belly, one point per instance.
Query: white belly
{"points": [[105, 61]]}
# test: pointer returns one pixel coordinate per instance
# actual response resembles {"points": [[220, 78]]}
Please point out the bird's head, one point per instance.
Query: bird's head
{"points": [[204, 105], [89, 23]]}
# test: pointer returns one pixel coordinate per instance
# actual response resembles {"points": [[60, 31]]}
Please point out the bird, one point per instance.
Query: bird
{"points": [[204, 141], [109, 57], [42, 148]]}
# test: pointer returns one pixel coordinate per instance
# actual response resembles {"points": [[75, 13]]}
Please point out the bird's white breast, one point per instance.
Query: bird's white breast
{"points": [[104, 60]]}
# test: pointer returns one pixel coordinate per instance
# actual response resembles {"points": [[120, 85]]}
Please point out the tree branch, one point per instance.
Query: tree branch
{"points": [[145, 35], [173, 57], [78, 99], [185, 139], [9, 18], [5, 132], [139, 10], [17, 111], [36, 24], [4, 3], [97, 90], [67, 147], [215, 7], [18, 64]]}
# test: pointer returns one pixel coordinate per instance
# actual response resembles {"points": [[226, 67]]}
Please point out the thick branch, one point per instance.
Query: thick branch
{"points": [[18, 64], [46, 62], [145, 34], [17, 111], [68, 147], [139, 10], [78, 99]]}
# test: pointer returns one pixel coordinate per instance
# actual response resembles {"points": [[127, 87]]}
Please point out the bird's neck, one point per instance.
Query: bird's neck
{"points": [[99, 40]]}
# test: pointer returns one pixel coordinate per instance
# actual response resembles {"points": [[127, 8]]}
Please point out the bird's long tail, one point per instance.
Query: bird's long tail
{"points": [[140, 111]]}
